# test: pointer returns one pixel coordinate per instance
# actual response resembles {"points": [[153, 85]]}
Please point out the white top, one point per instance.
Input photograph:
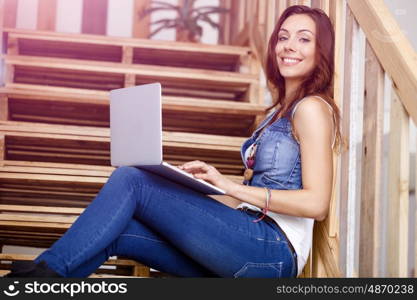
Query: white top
{"points": [[298, 230]]}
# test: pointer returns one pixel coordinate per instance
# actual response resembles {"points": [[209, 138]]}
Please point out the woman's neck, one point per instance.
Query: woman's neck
{"points": [[291, 87]]}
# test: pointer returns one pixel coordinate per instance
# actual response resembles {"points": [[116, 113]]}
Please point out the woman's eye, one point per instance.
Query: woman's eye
{"points": [[282, 38], [304, 40]]}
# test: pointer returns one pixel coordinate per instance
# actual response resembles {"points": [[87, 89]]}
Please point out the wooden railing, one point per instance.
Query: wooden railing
{"points": [[367, 231], [387, 54]]}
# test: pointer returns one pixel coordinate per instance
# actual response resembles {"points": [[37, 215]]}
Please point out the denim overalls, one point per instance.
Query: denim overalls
{"points": [[277, 164]]}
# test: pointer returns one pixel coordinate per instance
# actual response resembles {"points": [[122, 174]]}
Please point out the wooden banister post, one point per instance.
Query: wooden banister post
{"points": [[141, 27], [398, 190], [352, 96], [47, 14], [2, 16], [370, 222], [10, 13]]}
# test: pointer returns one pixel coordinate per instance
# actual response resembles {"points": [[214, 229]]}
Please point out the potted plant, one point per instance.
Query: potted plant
{"points": [[186, 21]]}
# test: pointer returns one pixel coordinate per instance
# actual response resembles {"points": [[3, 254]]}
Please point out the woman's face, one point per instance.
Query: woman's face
{"points": [[296, 47]]}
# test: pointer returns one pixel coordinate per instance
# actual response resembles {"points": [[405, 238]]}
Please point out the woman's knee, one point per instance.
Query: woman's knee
{"points": [[127, 175]]}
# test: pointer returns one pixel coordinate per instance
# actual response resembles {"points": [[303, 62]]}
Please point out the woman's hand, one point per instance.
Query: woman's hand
{"points": [[202, 170]]}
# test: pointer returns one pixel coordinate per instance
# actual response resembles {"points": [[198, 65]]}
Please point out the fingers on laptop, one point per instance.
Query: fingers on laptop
{"points": [[195, 166]]}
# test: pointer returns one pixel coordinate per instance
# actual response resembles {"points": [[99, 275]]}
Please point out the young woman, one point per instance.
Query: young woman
{"points": [[288, 184]]}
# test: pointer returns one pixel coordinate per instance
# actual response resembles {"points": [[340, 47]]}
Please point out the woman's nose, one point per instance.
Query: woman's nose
{"points": [[289, 45]]}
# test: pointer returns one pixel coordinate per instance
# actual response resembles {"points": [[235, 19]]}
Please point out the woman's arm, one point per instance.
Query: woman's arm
{"points": [[313, 126]]}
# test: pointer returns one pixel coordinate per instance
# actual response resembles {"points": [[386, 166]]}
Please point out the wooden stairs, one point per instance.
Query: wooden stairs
{"points": [[54, 122]]}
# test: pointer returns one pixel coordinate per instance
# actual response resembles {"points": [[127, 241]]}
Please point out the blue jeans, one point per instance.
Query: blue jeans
{"points": [[171, 228]]}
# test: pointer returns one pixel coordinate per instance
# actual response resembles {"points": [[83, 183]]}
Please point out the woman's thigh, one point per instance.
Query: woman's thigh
{"points": [[221, 239]]}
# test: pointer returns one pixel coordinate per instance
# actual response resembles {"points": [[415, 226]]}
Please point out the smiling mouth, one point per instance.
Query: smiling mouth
{"points": [[290, 61]]}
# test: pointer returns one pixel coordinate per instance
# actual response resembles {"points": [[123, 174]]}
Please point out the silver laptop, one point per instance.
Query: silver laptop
{"points": [[136, 135]]}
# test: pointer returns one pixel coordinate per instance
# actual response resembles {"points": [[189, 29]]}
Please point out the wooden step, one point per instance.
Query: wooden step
{"points": [[125, 266], [143, 51], [40, 201], [57, 184], [105, 76], [91, 145], [33, 103]]}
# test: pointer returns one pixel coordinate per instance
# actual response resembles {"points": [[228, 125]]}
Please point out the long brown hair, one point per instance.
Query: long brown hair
{"points": [[320, 81]]}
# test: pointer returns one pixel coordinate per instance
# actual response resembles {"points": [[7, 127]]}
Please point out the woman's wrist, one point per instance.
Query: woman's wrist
{"points": [[233, 189]]}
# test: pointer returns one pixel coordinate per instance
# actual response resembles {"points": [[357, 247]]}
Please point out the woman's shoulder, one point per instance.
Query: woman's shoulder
{"points": [[313, 110], [312, 106]]}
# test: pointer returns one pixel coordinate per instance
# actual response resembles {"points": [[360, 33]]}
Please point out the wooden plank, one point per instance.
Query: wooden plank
{"points": [[22, 218], [103, 134], [241, 9], [127, 54], [261, 19], [13, 257], [59, 171], [138, 268], [2, 16], [4, 108], [242, 38], [303, 2], [35, 225], [391, 46], [41, 209], [59, 94], [337, 16], [52, 178], [79, 170], [250, 9], [2, 149], [318, 264], [281, 6], [46, 14], [98, 181], [196, 48], [235, 19], [22, 193], [352, 92], [370, 220], [127, 58], [327, 250], [324, 5], [68, 146], [316, 3], [220, 78], [270, 22], [8, 72], [141, 271], [10, 9], [94, 16], [398, 189], [225, 23], [141, 27], [11, 48]]}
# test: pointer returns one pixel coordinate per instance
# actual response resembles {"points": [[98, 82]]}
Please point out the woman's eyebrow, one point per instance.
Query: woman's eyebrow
{"points": [[298, 31]]}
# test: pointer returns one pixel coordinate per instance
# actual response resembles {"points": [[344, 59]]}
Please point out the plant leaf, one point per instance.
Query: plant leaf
{"points": [[149, 11], [160, 28], [210, 21], [169, 5], [166, 21], [212, 8]]}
